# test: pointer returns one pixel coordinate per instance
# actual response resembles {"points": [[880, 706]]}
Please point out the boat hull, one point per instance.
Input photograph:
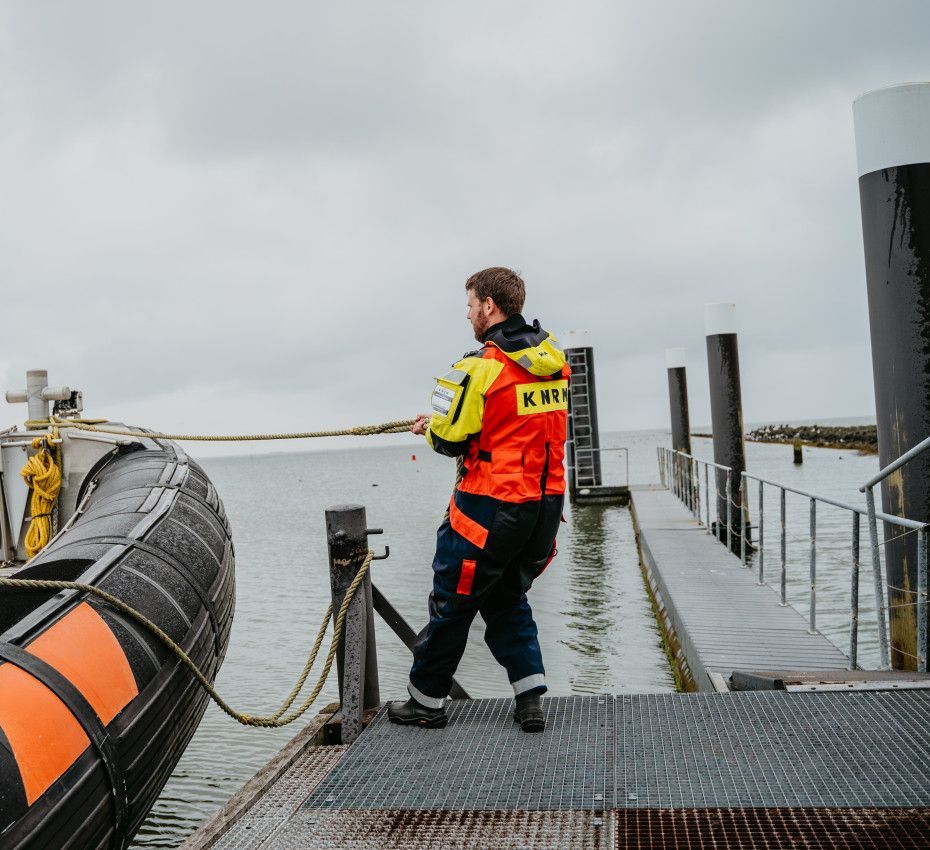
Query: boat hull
{"points": [[94, 710]]}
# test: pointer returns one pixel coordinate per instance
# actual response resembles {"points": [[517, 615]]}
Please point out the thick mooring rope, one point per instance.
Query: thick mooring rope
{"points": [[273, 721], [398, 426]]}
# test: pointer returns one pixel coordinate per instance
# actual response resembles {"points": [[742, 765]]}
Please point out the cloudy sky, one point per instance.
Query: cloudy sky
{"points": [[225, 216]]}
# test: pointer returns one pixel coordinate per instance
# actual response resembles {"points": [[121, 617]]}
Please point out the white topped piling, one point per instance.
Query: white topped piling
{"points": [[892, 130]]}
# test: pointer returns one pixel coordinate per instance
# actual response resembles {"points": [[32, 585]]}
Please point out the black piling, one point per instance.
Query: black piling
{"points": [[678, 399], [678, 407], [726, 410], [893, 149], [356, 657]]}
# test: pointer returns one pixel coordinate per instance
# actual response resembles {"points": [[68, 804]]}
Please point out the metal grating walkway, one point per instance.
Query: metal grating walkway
{"points": [[473, 764], [723, 619], [755, 769]]}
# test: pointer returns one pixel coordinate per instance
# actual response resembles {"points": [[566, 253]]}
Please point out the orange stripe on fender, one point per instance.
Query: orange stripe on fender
{"points": [[43, 733], [466, 526], [82, 648], [466, 578]]}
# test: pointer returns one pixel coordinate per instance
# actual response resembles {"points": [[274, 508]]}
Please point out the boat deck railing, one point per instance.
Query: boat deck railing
{"points": [[689, 478]]}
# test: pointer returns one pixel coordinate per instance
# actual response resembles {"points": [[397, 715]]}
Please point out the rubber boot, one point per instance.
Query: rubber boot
{"points": [[412, 713], [528, 713]]}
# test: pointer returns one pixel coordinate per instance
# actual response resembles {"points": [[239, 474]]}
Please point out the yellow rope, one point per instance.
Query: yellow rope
{"points": [[282, 716], [395, 427], [43, 475]]}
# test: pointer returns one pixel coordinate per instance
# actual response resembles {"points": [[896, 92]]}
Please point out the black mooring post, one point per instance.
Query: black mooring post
{"points": [[678, 405], [678, 399], [892, 129], [726, 413], [356, 657]]}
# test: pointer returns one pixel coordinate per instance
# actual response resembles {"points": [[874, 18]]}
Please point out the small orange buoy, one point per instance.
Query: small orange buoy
{"points": [[413, 457]]}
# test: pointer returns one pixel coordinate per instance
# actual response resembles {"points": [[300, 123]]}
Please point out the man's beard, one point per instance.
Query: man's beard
{"points": [[480, 327]]}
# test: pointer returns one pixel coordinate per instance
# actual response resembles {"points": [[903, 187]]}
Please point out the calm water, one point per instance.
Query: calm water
{"points": [[596, 626]]}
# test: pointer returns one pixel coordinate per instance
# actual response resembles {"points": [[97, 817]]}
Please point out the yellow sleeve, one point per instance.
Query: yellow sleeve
{"points": [[458, 404]]}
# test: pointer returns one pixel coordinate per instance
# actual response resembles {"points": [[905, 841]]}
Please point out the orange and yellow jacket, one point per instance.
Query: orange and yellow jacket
{"points": [[505, 409]]}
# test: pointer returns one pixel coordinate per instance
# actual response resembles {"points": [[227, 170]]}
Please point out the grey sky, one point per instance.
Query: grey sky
{"points": [[238, 216]]}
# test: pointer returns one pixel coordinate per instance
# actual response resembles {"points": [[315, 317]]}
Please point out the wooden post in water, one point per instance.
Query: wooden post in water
{"points": [[356, 657], [892, 129], [726, 411], [798, 456]]}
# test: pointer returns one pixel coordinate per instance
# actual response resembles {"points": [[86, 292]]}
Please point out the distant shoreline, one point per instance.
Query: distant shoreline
{"points": [[860, 438]]}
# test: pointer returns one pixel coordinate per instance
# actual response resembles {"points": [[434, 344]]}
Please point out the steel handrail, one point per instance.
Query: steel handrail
{"points": [[626, 458], [686, 485], [573, 451], [895, 465], [922, 556], [904, 522]]}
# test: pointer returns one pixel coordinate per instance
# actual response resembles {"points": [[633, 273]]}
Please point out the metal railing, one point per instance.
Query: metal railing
{"points": [[681, 473], [590, 451], [921, 528]]}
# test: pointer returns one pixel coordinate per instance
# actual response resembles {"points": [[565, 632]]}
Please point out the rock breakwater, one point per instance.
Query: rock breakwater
{"points": [[861, 438]]}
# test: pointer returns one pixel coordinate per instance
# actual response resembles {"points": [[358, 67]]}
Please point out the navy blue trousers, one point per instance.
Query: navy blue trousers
{"points": [[491, 580]]}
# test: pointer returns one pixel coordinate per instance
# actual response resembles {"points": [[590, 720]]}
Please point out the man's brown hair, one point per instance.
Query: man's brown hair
{"points": [[505, 286]]}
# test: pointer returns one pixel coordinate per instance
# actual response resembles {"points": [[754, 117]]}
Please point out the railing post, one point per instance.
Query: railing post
{"points": [[696, 478], [729, 513], [707, 495], [784, 553], [854, 597], [761, 524], [813, 596], [356, 657], [742, 518], [922, 601], [717, 498], [877, 577]]}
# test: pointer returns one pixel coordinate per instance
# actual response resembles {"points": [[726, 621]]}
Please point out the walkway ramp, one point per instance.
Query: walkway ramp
{"points": [[755, 769], [720, 618]]}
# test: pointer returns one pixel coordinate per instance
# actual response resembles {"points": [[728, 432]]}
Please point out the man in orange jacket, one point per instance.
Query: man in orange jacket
{"points": [[503, 409]]}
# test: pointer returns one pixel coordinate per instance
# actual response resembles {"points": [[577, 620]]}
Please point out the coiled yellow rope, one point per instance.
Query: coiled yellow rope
{"points": [[395, 427], [43, 475], [282, 716]]}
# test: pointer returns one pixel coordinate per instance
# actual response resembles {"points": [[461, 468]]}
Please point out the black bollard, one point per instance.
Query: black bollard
{"points": [[681, 426], [798, 456], [726, 412], [356, 657], [893, 150]]}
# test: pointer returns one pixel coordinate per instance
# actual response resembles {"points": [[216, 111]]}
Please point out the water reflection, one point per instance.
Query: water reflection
{"points": [[586, 607]]}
